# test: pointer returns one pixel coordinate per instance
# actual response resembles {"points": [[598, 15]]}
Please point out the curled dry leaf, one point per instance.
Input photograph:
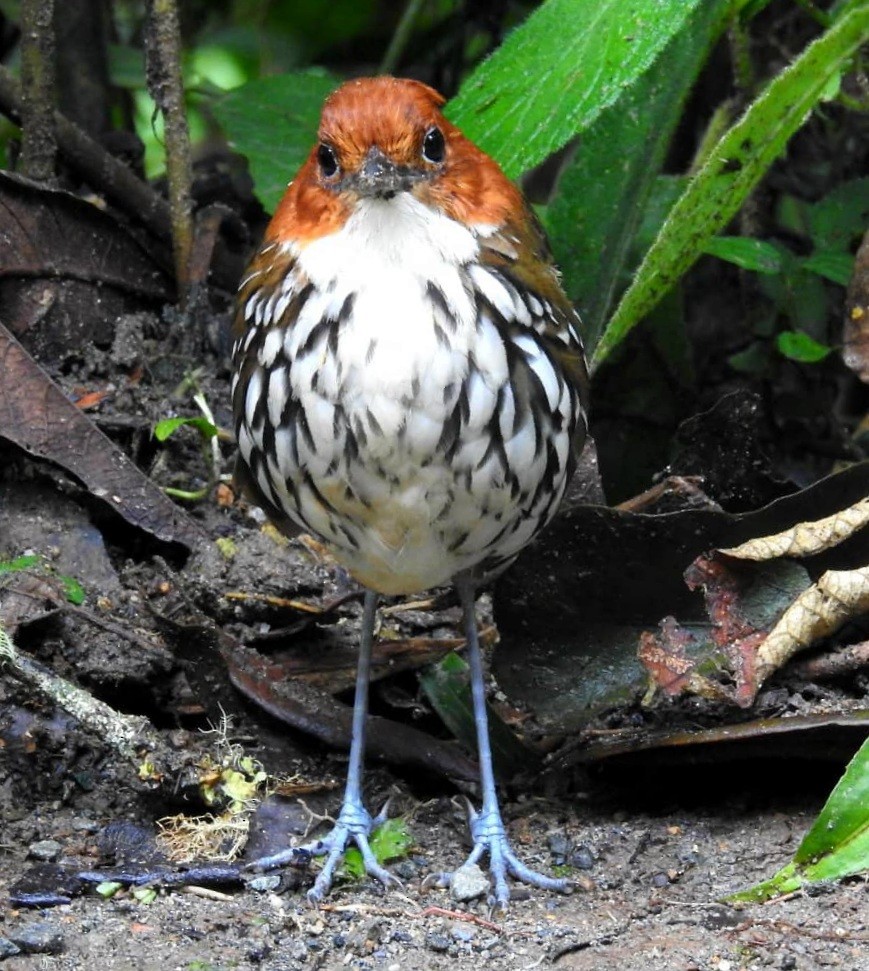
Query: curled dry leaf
{"points": [[806, 539], [821, 610]]}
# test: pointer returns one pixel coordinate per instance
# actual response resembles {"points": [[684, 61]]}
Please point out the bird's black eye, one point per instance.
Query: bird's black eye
{"points": [[327, 160], [433, 147]]}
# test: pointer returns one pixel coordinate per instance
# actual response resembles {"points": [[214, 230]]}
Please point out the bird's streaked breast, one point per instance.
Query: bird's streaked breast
{"points": [[407, 409]]}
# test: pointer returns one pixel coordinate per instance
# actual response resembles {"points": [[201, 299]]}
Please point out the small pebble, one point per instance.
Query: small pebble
{"points": [[437, 942], [39, 939], [468, 883], [46, 850], [559, 847], [298, 950], [660, 880], [81, 824], [406, 870], [788, 963], [265, 883], [582, 858], [463, 932], [8, 949]]}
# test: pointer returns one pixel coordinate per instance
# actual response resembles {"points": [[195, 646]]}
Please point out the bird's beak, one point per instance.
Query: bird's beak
{"points": [[379, 177]]}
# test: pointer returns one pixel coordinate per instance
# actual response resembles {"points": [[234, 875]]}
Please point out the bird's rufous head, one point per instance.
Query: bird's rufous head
{"points": [[379, 137]]}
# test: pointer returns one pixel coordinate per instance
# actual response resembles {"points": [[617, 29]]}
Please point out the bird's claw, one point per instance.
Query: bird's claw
{"points": [[490, 836], [353, 826]]}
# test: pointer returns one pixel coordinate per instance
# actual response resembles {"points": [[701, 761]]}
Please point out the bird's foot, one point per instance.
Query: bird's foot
{"points": [[490, 836], [354, 825]]}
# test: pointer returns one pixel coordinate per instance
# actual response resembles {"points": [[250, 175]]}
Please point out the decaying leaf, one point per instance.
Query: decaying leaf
{"points": [[666, 658], [70, 268], [572, 610], [37, 416], [838, 596], [806, 539], [743, 602]]}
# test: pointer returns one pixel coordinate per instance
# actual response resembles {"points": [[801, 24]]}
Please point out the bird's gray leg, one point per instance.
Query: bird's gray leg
{"points": [[354, 823], [487, 826]]}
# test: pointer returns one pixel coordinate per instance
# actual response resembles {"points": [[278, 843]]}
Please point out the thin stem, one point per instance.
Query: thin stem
{"points": [[401, 36], [38, 144], [166, 85]]}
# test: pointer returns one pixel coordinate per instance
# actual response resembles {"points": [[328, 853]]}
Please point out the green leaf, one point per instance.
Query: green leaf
{"points": [[555, 73], [391, 841], [108, 888], [835, 267], [273, 121], [800, 347], [836, 846], [740, 159], [168, 426], [841, 216], [145, 895], [446, 685], [748, 253], [594, 220], [19, 563], [73, 589]]}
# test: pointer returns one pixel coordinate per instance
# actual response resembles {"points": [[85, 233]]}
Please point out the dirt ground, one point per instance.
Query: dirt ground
{"points": [[648, 896]]}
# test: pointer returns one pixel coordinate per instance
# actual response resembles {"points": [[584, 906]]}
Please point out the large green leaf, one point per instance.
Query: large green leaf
{"points": [[555, 73], [738, 161], [273, 121], [838, 843], [601, 196]]}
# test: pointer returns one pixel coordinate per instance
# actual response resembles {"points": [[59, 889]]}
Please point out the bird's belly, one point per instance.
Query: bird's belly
{"points": [[398, 512], [397, 541]]}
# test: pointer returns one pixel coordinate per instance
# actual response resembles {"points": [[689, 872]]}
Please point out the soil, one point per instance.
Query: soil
{"points": [[649, 889]]}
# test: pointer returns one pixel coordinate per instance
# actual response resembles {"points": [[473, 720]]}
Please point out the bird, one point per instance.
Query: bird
{"points": [[409, 386]]}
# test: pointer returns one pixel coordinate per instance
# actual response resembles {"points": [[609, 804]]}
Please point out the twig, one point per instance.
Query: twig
{"points": [[94, 164], [460, 915], [206, 893], [38, 145], [124, 733]]}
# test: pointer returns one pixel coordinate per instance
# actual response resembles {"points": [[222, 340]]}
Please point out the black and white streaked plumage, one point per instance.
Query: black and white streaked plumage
{"points": [[409, 382]]}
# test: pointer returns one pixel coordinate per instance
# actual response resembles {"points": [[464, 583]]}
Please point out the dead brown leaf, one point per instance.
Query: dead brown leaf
{"points": [[68, 268], [37, 416]]}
